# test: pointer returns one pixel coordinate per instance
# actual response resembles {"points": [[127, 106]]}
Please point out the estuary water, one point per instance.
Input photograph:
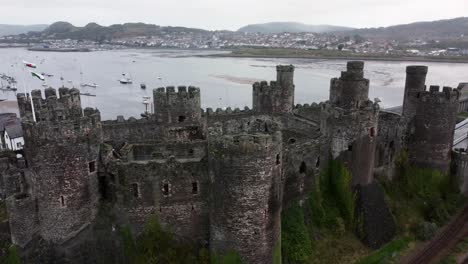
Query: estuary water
{"points": [[223, 81]]}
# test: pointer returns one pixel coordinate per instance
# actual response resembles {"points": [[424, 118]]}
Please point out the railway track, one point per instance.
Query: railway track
{"points": [[447, 238]]}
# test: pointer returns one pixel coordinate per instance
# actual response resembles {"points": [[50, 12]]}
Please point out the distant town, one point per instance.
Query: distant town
{"points": [[422, 39], [232, 40]]}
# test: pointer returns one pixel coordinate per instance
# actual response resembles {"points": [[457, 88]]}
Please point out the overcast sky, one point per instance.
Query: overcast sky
{"points": [[230, 14]]}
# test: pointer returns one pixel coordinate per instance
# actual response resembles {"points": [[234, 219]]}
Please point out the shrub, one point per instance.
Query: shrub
{"points": [[295, 240], [11, 256], [425, 230], [335, 183]]}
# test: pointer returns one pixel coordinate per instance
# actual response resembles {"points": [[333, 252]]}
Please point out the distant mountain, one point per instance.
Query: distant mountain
{"points": [[438, 30], [93, 31], [293, 27], [19, 29]]}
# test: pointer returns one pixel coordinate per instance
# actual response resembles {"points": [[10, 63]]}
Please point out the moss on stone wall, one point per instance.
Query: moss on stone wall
{"points": [[329, 217]]}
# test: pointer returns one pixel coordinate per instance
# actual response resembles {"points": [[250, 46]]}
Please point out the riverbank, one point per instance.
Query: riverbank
{"points": [[330, 55]]}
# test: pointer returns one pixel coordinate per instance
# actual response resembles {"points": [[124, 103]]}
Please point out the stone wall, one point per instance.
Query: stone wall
{"points": [[460, 169]]}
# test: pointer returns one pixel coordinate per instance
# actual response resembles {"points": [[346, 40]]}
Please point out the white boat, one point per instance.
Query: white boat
{"points": [[88, 94], [93, 85], [125, 81]]}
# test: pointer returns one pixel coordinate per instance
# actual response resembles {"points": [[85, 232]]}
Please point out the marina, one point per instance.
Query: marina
{"points": [[223, 82]]}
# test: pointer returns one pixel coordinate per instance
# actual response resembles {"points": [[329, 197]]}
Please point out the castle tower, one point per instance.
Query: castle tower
{"points": [[278, 97], [246, 195], [351, 89], [20, 204], [350, 121], [177, 107], [434, 123], [61, 151], [415, 83]]}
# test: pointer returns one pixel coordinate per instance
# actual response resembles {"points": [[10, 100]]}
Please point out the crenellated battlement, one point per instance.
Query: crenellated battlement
{"points": [[182, 92], [437, 96], [177, 107], [228, 111], [253, 124], [53, 107], [255, 144], [366, 106], [277, 96], [305, 106]]}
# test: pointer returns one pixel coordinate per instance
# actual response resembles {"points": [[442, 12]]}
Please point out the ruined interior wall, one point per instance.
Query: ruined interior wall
{"points": [[174, 188], [460, 169], [390, 142], [311, 112], [352, 136]]}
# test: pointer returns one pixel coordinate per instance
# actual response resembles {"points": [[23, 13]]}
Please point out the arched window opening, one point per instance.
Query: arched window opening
{"points": [[194, 187], [317, 163], [278, 159], [166, 189], [303, 168], [135, 190], [372, 132]]}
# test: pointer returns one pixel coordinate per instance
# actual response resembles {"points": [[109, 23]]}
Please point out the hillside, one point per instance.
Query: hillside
{"points": [[19, 29], [440, 30], [279, 27], [93, 31]]}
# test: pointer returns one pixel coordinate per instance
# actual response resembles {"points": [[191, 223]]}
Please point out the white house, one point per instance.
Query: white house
{"points": [[11, 132], [13, 137]]}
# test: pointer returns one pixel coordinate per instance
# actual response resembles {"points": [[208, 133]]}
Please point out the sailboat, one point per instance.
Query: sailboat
{"points": [[82, 84], [125, 80]]}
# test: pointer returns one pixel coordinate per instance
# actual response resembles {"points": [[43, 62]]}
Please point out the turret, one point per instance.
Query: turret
{"points": [[434, 123], [61, 150], [415, 83], [351, 89], [246, 195], [350, 122], [278, 96], [183, 106]]}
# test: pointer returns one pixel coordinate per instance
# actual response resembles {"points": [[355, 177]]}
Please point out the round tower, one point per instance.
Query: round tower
{"points": [[285, 80], [351, 89], [246, 195], [415, 83], [434, 123], [61, 150]]}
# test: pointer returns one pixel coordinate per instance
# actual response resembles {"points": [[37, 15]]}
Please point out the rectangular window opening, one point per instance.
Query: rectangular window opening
{"points": [[62, 201], [194, 187], [92, 166], [166, 189], [135, 190]]}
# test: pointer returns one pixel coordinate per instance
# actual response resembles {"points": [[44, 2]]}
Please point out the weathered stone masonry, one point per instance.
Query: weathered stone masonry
{"points": [[217, 178]]}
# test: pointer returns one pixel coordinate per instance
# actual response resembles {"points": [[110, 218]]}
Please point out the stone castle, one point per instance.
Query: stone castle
{"points": [[217, 178]]}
